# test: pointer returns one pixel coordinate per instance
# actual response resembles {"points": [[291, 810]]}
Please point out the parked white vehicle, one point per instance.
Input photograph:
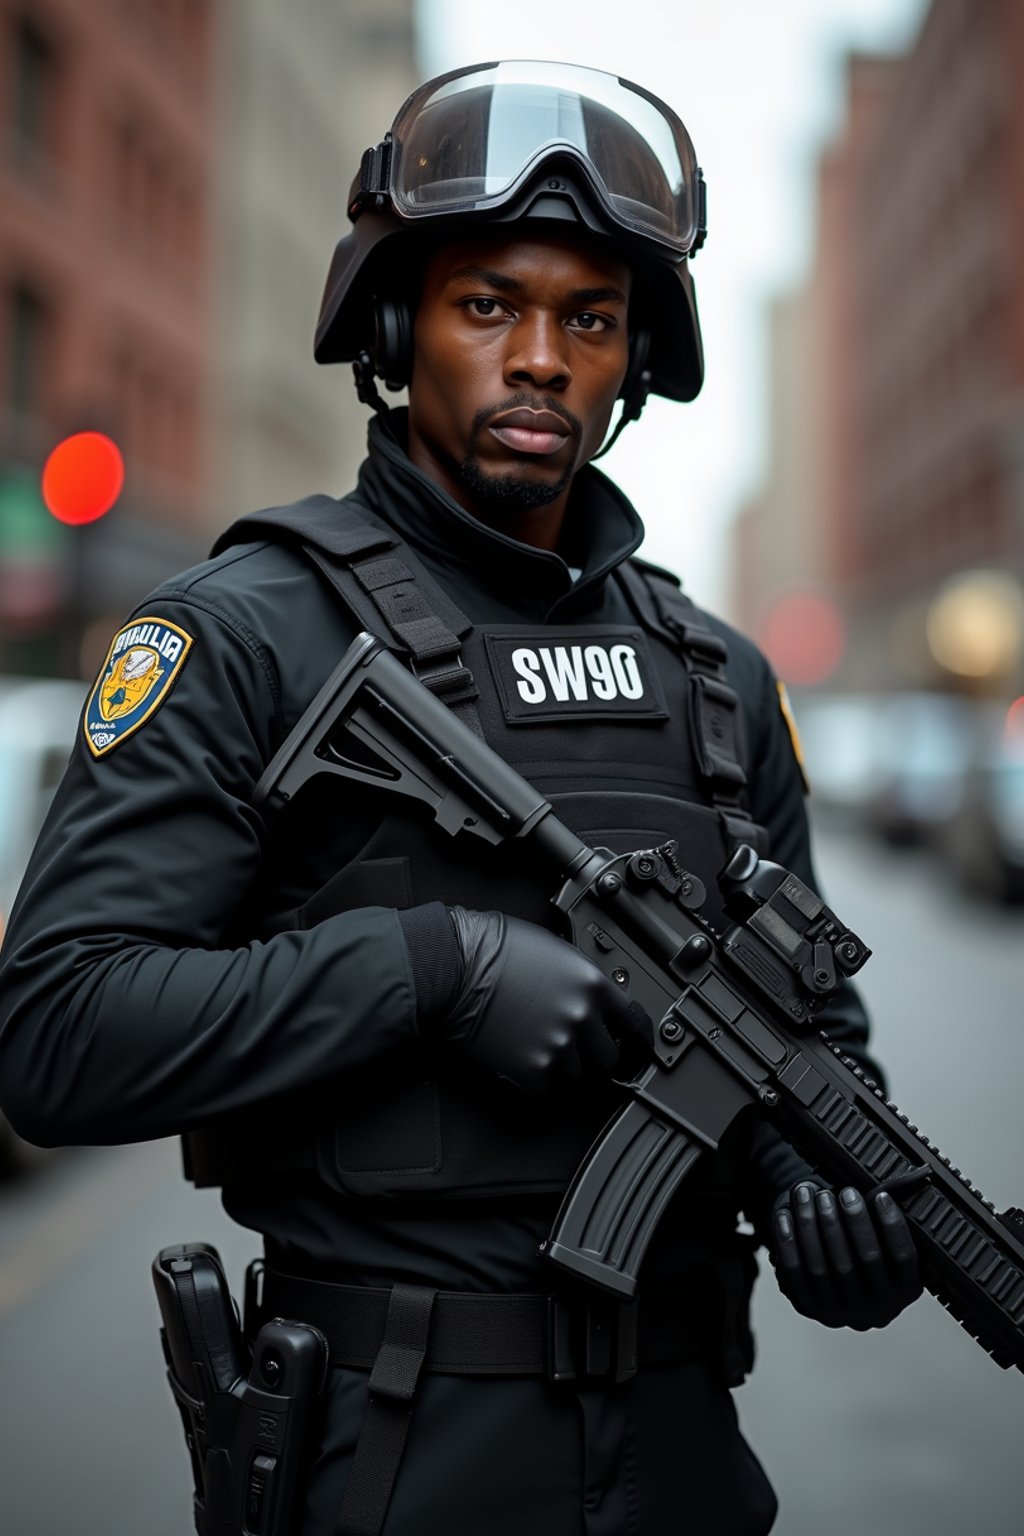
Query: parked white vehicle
{"points": [[38, 721]]}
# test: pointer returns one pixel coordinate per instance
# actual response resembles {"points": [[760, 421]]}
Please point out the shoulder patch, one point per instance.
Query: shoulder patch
{"points": [[144, 659], [794, 735]]}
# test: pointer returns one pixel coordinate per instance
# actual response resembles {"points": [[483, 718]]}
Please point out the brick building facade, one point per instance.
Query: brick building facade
{"points": [[104, 315], [940, 387], [173, 177], [914, 355]]}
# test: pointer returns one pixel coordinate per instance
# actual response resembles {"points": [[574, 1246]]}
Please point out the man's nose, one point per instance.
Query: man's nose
{"points": [[538, 353]]}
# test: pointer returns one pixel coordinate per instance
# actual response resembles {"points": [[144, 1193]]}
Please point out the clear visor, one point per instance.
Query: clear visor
{"points": [[473, 138]]}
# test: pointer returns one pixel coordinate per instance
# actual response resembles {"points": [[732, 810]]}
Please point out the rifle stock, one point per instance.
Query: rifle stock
{"points": [[734, 1012]]}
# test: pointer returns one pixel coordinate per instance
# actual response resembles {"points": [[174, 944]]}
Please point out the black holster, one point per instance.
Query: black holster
{"points": [[248, 1414]]}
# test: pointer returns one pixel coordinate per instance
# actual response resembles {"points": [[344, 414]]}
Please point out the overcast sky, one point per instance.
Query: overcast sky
{"points": [[759, 87]]}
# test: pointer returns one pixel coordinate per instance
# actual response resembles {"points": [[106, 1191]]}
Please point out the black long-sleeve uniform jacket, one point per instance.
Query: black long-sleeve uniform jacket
{"points": [[133, 1004]]}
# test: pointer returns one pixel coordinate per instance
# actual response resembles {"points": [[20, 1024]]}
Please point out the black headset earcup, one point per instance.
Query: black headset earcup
{"points": [[392, 341]]}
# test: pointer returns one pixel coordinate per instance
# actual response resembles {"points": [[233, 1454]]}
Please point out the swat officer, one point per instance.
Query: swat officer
{"points": [[369, 1036]]}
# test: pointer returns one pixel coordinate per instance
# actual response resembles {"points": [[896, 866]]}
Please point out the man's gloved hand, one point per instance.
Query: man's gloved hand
{"points": [[516, 1000], [533, 1010], [843, 1260]]}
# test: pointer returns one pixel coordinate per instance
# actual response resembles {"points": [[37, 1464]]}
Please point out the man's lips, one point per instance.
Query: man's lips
{"points": [[525, 440], [528, 431]]}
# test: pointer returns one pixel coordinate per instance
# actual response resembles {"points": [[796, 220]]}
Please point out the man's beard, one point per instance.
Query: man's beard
{"points": [[510, 492]]}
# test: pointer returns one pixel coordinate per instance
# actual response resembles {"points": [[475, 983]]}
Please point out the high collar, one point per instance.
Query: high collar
{"points": [[602, 528]]}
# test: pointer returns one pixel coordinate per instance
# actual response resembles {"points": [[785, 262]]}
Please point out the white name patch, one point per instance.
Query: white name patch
{"points": [[594, 675]]}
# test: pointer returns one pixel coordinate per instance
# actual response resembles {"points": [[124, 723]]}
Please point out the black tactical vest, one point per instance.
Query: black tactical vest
{"points": [[633, 734]]}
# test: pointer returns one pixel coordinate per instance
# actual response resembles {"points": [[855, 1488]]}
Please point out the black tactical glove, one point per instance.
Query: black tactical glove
{"points": [[846, 1261], [525, 1006]]}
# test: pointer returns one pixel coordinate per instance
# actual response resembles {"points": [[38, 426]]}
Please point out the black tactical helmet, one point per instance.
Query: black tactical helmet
{"points": [[502, 143]]}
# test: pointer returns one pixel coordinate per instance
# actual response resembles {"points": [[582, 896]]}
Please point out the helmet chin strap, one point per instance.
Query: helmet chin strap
{"points": [[366, 389], [632, 406]]}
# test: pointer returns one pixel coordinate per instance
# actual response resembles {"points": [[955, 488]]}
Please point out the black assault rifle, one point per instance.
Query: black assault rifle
{"points": [[734, 1012]]}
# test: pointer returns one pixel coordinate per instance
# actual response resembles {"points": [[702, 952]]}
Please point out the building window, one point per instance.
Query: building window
{"points": [[29, 330], [33, 91]]}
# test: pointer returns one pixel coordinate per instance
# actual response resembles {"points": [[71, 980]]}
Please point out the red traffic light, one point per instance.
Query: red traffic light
{"points": [[804, 638], [83, 477]]}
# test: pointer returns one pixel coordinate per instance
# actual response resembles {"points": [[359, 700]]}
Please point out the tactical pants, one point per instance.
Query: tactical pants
{"points": [[661, 1455]]}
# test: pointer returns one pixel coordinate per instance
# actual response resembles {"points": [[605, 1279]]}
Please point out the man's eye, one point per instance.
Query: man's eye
{"points": [[588, 321], [483, 307]]}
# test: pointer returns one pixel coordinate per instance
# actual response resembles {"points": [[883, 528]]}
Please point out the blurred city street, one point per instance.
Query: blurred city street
{"points": [[910, 1432], [847, 490]]}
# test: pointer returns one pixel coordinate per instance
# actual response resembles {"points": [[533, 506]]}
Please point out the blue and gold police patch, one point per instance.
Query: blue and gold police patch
{"points": [[144, 659]]}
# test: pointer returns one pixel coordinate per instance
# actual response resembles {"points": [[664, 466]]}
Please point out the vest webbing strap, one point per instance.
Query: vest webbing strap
{"points": [[435, 650], [386, 593], [716, 722], [401, 606]]}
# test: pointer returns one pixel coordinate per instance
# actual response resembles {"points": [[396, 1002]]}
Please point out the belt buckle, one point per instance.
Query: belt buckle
{"points": [[591, 1340]]}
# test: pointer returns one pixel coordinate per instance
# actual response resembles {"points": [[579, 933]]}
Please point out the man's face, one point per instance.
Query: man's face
{"points": [[521, 348]]}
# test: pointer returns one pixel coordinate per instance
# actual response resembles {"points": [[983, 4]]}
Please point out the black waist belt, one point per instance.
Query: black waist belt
{"points": [[503, 1335], [396, 1334]]}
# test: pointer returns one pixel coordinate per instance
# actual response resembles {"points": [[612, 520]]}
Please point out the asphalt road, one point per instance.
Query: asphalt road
{"points": [[912, 1430], [908, 1432]]}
